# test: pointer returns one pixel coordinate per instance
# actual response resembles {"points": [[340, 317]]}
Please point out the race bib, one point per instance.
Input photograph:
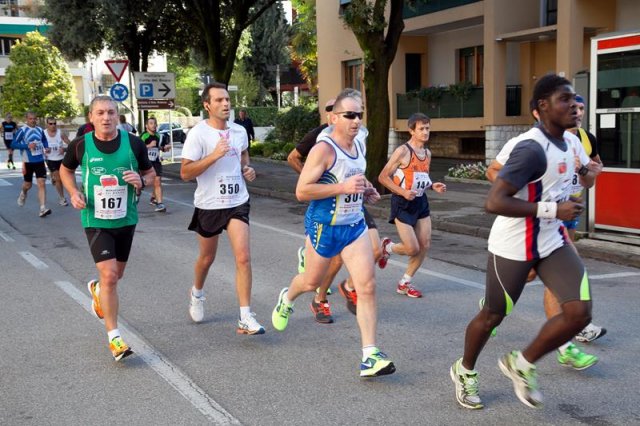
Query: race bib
{"points": [[8, 136], [38, 149], [229, 189], [110, 199], [153, 154], [576, 188], [421, 181], [349, 204]]}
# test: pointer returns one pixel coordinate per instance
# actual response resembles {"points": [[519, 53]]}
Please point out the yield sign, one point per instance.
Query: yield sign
{"points": [[117, 67]]}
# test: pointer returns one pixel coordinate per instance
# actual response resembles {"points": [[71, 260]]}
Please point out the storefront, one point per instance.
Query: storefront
{"points": [[615, 120]]}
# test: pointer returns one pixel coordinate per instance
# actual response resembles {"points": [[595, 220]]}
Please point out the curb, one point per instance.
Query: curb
{"points": [[465, 180]]}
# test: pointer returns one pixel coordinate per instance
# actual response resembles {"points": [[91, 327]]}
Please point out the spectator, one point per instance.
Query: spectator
{"points": [[123, 125], [246, 122], [85, 128]]}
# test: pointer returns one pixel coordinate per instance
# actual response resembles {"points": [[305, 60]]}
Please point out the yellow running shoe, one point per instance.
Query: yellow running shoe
{"points": [[119, 349]]}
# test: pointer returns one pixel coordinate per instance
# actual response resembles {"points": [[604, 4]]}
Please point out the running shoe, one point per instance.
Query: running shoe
{"points": [[160, 207], [94, 290], [13, 166], [44, 212], [119, 349], [377, 364], [152, 200], [574, 357], [495, 329], [249, 325], [591, 333], [408, 289], [280, 314], [525, 383], [63, 202], [22, 198], [196, 307], [467, 387], [350, 295], [301, 252], [321, 311], [382, 262]]}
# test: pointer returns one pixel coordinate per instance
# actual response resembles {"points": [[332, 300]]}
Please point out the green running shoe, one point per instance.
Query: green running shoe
{"points": [[280, 315], [574, 357], [495, 330], [466, 387], [525, 383], [301, 251], [376, 365]]}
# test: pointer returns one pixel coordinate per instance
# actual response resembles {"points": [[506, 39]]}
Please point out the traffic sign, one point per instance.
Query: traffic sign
{"points": [[117, 67], [119, 92], [155, 85], [156, 104]]}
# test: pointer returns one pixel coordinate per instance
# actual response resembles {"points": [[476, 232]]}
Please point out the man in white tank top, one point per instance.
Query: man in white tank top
{"points": [[57, 144], [531, 197]]}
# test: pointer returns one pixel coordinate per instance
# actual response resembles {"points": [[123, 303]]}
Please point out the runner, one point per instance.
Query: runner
{"points": [[406, 175], [155, 145], [332, 179], [57, 145], [32, 143], [8, 129], [216, 155], [115, 168], [530, 196]]}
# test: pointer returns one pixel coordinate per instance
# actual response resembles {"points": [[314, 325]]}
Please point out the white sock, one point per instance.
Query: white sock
{"points": [[562, 349], [465, 371], [522, 364], [286, 300], [368, 351], [245, 311], [196, 292], [113, 333], [390, 247], [405, 279], [43, 207]]}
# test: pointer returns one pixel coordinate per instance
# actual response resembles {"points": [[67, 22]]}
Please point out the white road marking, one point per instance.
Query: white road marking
{"points": [[34, 261], [162, 366], [614, 275], [4, 182], [6, 237]]}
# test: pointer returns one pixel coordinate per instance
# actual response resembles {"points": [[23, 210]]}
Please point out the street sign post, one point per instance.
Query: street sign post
{"points": [[117, 67], [155, 85], [119, 92], [156, 104]]}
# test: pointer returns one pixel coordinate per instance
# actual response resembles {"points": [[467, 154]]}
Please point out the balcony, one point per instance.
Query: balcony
{"points": [[423, 8], [450, 106]]}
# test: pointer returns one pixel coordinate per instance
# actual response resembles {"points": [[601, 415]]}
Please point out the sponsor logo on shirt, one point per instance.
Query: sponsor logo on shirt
{"points": [[96, 159]]}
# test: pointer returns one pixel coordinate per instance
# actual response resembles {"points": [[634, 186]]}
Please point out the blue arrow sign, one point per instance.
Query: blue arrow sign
{"points": [[119, 92]]}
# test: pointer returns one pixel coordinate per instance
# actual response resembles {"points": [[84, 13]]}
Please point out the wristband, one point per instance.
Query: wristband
{"points": [[547, 210], [142, 181], [583, 170]]}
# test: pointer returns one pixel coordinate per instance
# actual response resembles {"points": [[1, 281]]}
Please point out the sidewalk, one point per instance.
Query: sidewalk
{"points": [[459, 210]]}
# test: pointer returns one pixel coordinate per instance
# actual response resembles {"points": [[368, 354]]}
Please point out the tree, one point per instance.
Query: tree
{"points": [[38, 80], [268, 47], [217, 26], [367, 21], [304, 46]]}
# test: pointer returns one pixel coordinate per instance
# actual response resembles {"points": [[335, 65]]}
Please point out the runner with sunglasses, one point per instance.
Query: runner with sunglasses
{"points": [[57, 145]]}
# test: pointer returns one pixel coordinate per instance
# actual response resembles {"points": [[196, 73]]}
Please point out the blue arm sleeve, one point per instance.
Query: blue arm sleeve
{"points": [[18, 140], [526, 163]]}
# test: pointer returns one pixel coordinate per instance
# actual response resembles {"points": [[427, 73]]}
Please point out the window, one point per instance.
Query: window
{"points": [[413, 71], [352, 72], [551, 12], [470, 65], [9, 8], [5, 45]]}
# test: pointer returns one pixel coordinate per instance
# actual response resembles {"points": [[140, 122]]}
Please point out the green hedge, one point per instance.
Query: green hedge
{"points": [[261, 116], [293, 124]]}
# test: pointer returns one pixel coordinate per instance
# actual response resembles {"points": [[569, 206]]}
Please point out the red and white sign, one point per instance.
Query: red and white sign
{"points": [[117, 67]]}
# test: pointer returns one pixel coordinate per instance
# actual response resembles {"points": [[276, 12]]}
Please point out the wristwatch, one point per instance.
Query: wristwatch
{"points": [[583, 170]]}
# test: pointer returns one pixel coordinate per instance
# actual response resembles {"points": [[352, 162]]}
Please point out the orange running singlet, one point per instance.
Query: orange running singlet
{"points": [[415, 175]]}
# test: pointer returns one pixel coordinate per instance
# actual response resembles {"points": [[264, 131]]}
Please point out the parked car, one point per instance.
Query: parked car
{"points": [[179, 134]]}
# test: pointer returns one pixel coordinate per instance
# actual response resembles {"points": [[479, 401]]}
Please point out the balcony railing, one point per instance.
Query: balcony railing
{"points": [[422, 8], [450, 106]]}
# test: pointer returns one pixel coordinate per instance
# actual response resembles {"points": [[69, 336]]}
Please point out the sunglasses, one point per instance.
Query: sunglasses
{"points": [[52, 124], [350, 115]]}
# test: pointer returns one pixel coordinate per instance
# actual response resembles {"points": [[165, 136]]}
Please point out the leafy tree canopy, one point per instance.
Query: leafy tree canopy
{"points": [[38, 80], [304, 46]]}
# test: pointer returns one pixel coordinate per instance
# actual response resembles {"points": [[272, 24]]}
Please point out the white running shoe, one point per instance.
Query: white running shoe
{"points": [[22, 198], [196, 308], [249, 325], [63, 202], [590, 333]]}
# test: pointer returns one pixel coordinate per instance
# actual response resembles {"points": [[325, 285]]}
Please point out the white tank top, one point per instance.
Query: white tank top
{"points": [[55, 143]]}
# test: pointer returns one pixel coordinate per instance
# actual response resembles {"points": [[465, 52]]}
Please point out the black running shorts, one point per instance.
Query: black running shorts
{"points": [[157, 166], [409, 212], [110, 243], [209, 223], [28, 169], [54, 165], [562, 272]]}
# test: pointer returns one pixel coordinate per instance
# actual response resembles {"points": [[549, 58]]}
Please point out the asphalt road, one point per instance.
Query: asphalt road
{"points": [[56, 368]]}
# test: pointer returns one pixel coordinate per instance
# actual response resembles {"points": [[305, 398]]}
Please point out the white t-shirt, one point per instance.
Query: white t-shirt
{"points": [[55, 142], [222, 185]]}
